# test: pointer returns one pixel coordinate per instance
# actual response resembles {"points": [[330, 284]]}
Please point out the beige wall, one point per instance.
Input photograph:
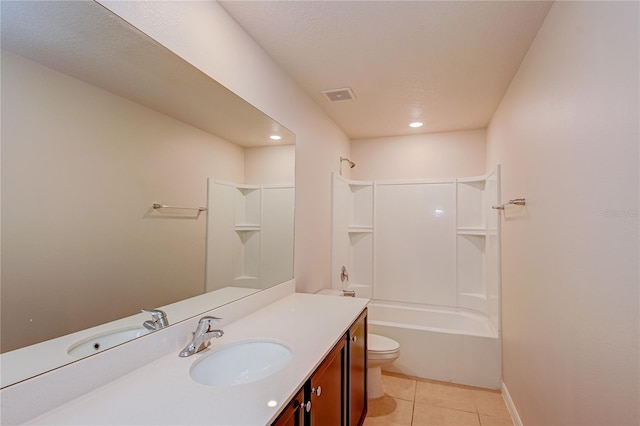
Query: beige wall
{"points": [[436, 155], [81, 169], [567, 136], [270, 165], [570, 269], [206, 36]]}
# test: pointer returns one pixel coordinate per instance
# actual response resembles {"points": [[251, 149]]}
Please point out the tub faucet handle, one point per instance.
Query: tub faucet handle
{"points": [[344, 275]]}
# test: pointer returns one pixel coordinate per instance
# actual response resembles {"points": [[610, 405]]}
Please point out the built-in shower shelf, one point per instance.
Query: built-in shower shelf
{"points": [[359, 184], [247, 228], [245, 189], [478, 231], [360, 229]]}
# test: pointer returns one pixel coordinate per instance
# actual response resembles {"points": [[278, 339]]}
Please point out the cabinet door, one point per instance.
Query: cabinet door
{"points": [[357, 377], [327, 388], [292, 415]]}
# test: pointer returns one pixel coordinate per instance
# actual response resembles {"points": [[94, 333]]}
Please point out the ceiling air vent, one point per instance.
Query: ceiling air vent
{"points": [[339, 95]]}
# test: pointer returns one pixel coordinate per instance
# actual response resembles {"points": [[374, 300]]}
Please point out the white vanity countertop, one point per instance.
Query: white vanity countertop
{"points": [[163, 393], [29, 361]]}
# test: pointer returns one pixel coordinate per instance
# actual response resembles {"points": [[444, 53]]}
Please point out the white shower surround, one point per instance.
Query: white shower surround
{"points": [[427, 252], [414, 231]]}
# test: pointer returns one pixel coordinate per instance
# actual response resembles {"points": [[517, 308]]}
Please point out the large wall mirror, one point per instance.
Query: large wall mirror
{"points": [[99, 123]]}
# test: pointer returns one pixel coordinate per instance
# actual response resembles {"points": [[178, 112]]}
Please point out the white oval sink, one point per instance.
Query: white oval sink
{"points": [[240, 363], [102, 341]]}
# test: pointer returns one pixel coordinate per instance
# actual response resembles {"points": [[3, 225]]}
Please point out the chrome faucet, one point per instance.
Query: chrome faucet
{"points": [[201, 337], [159, 319], [344, 275]]}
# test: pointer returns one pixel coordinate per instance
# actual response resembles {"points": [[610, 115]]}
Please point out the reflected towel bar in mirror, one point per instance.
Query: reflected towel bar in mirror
{"points": [[157, 206]]}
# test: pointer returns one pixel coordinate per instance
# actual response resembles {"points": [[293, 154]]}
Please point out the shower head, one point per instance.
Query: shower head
{"points": [[351, 163]]}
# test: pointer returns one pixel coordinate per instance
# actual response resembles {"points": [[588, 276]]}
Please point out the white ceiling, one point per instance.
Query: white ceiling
{"points": [[446, 63]]}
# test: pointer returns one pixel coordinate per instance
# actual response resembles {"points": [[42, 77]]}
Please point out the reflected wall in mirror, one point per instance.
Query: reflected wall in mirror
{"points": [[99, 122]]}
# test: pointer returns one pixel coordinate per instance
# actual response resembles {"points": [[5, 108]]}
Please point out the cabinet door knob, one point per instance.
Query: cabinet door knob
{"points": [[354, 338], [317, 390], [306, 406]]}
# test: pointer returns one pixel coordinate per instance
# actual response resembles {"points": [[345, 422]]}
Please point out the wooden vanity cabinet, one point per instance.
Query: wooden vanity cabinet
{"points": [[336, 393], [293, 413], [357, 374], [327, 387]]}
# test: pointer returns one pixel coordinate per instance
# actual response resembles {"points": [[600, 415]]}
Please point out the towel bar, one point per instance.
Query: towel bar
{"points": [[515, 201]]}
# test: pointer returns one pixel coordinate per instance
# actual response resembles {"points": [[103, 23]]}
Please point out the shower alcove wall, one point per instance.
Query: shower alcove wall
{"points": [[425, 245], [256, 222]]}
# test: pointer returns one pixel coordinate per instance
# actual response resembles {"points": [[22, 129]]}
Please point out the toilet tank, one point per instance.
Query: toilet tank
{"points": [[330, 292]]}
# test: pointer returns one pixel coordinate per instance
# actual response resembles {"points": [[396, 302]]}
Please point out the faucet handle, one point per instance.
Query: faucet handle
{"points": [[155, 313], [202, 336], [207, 321], [159, 319], [344, 275]]}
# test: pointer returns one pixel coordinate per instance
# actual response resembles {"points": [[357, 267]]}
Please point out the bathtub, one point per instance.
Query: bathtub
{"points": [[440, 343]]}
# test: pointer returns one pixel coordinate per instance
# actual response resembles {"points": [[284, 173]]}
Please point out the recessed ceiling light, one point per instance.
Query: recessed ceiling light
{"points": [[275, 137], [416, 124]]}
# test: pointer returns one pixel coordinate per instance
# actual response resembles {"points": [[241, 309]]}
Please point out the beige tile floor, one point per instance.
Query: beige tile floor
{"points": [[417, 402]]}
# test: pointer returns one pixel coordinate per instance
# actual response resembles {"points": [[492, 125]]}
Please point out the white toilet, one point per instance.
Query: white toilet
{"points": [[380, 351]]}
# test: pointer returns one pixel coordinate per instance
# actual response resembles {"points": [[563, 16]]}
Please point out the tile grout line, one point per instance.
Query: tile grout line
{"points": [[413, 402], [476, 410], [413, 410]]}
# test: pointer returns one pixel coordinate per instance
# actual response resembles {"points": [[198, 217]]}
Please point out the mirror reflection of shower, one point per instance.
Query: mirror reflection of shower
{"points": [[253, 225], [351, 163]]}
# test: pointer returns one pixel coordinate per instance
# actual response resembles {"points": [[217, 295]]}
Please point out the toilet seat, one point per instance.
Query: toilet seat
{"points": [[381, 345]]}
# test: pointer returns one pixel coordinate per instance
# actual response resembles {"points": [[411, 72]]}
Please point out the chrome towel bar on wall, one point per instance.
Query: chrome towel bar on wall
{"points": [[515, 201]]}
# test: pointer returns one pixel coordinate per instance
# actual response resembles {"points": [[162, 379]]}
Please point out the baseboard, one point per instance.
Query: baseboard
{"points": [[515, 417]]}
